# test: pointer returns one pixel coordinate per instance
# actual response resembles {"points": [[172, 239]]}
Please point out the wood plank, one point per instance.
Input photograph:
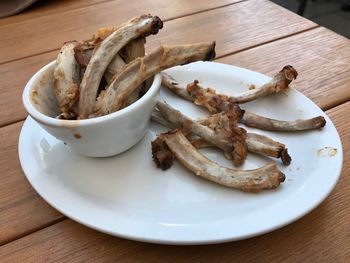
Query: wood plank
{"points": [[15, 75], [46, 7], [321, 57], [322, 235], [246, 33], [235, 27], [21, 210], [46, 33]]}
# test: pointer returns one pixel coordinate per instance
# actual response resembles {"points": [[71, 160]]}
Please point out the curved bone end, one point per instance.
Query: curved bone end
{"points": [[154, 26], [318, 122], [283, 79], [290, 73], [285, 157], [272, 180], [277, 175], [157, 24], [276, 178], [211, 53], [161, 154]]}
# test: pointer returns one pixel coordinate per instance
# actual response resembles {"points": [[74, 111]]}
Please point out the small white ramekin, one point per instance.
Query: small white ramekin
{"points": [[97, 137]]}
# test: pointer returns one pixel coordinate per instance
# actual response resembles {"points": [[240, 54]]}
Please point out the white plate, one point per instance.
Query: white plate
{"points": [[128, 197]]}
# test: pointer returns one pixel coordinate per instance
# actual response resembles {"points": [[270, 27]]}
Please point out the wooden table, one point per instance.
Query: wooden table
{"points": [[255, 34]]}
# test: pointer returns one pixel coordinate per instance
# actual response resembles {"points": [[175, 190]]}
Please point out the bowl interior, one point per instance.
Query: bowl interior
{"points": [[41, 94]]}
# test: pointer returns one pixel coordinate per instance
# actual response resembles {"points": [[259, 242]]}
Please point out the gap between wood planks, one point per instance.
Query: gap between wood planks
{"points": [[29, 232], [267, 42]]}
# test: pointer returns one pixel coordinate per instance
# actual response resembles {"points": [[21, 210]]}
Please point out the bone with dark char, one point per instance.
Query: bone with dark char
{"points": [[214, 103], [66, 80], [266, 177], [105, 52], [140, 69], [204, 128]]}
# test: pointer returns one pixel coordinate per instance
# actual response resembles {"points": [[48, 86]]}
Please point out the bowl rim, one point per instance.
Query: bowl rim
{"points": [[42, 118]]}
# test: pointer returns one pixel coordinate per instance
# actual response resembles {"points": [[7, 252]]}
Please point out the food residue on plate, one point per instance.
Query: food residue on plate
{"points": [[251, 87], [327, 152]]}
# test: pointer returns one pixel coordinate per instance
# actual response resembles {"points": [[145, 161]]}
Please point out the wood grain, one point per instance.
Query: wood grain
{"points": [[321, 235], [47, 7], [244, 34], [15, 75], [321, 57], [46, 33], [235, 27], [21, 210]]}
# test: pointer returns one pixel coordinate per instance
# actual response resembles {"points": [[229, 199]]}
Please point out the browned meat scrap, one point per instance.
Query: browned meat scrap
{"points": [[256, 143], [237, 135], [140, 69], [161, 154], [266, 177], [213, 102]]}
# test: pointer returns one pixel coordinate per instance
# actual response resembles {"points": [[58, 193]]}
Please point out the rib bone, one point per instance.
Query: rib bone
{"points": [[266, 177], [279, 83], [254, 120], [220, 102], [135, 49], [183, 122], [66, 79], [104, 53], [141, 69], [170, 83], [256, 143]]}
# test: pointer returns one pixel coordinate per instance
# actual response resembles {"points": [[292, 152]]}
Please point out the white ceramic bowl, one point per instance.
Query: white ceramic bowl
{"points": [[97, 137]]}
